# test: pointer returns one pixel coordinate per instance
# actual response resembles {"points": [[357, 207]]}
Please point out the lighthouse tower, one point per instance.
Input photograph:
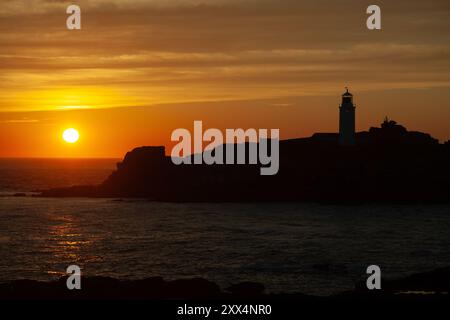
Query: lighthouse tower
{"points": [[347, 120]]}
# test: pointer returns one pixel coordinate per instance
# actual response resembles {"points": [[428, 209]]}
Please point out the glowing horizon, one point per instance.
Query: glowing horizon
{"points": [[139, 69]]}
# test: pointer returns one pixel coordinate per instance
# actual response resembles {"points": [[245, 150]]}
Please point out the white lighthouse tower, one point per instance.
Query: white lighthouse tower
{"points": [[347, 120]]}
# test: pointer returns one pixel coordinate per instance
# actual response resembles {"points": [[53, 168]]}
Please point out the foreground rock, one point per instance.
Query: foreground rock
{"points": [[433, 285]]}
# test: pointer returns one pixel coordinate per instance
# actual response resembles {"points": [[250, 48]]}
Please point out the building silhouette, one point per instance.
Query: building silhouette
{"points": [[347, 120]]}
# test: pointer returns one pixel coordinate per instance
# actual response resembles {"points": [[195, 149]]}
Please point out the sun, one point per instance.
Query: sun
{"points": [[71, 135]]}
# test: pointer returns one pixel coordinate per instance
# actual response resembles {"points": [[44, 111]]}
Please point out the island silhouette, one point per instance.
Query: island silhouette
{"points": [[386, 164]]}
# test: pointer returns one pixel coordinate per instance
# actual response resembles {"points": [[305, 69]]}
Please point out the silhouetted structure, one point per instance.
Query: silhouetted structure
{"points": [[347, 120], [392, 133]]}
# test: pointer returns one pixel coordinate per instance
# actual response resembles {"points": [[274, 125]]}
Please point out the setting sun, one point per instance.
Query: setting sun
{"points": [[71, 135]]}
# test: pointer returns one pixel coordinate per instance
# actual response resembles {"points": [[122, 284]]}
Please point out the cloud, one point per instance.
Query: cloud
{"points": [[19, 7], [20, 121], [166, 51]]}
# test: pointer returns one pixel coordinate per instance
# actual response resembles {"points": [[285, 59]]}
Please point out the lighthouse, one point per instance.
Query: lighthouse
{"points": [[347, 120]]}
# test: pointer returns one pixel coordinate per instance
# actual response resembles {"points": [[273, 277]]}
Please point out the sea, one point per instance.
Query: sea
{"points": [[289, 247]]}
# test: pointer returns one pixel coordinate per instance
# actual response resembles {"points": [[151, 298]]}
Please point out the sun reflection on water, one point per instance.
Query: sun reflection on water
{"points": [[68, 242]]}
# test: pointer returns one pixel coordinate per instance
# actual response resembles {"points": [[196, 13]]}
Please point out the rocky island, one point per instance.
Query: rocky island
{"points": [[386, 164]]}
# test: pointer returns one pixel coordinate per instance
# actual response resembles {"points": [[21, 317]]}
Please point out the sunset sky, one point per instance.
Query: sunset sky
{"points": [[140, 69]]}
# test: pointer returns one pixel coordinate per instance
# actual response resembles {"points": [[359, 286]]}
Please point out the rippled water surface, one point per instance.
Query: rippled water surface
{"points": [[308, 248]]}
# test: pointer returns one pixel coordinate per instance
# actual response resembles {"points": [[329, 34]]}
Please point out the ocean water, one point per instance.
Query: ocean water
{"points": [[289, 247]]}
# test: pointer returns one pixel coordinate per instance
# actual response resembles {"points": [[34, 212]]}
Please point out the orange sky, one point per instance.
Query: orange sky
{"points": [[139, 69]]}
